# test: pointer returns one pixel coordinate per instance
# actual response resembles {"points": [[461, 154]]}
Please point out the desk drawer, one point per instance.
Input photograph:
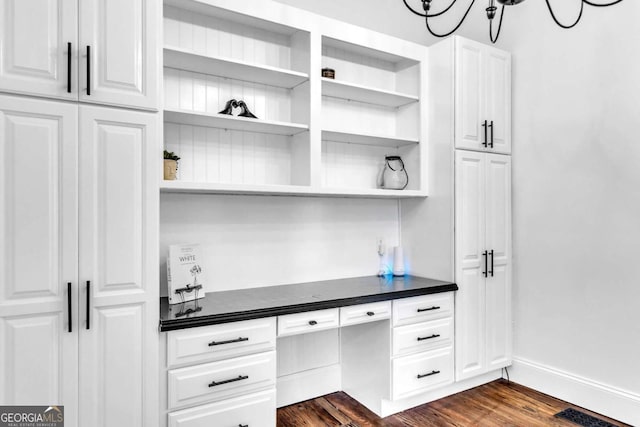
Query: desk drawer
{"points": [[364, 313], [422, 336], [219, 380], [309, 321], [422, 308], [422, 372], [253, 410], [217, 342]]}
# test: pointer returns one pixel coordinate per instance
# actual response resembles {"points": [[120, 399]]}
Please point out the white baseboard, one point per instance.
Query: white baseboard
{"points": [[597, 397]]}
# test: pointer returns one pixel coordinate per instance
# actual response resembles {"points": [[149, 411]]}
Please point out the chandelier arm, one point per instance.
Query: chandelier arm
{"points": [[566, 27], [494, 40], [435, 14], [426, 20], [601, 4]]}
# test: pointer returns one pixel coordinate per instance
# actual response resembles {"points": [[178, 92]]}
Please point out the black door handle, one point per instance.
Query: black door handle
{"points": [[484, 125], [486, 270], [69, 306], [491, 253], [491, 126], [89, 70], [69, 67], [88, 304]]}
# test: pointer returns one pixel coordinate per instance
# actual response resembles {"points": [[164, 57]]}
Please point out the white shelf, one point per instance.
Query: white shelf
{"points": [[366, 139], [284, 190], [370, 95], [224, 121], [232, 69]]}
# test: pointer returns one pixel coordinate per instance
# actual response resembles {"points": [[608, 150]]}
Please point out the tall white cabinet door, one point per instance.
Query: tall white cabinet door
{"points": [[33, 47], [498, 240], [123, 41], [118, 268], [470, 98], [38, 254], [471, 263], [498, 99]]}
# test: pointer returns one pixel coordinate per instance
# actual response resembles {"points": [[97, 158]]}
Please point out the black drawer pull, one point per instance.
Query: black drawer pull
{"points": [[435, 307], [88, 70], [88, 304], [239, 339], [68, 67], [370, 313], [313, 322], [428, 375], [232, 380], [429, 337], [243, 425]]}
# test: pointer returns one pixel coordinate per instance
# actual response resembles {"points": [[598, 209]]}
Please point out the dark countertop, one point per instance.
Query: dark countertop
{"points": [[254, 303]]}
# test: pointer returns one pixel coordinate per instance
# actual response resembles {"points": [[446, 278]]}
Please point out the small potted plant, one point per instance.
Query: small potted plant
{"points": [[170, 165]]}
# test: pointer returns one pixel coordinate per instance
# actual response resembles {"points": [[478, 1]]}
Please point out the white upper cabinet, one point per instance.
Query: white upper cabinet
{"points": [[38, 254], [483, 97], [119, 52], [35, 58], [102, 51]]}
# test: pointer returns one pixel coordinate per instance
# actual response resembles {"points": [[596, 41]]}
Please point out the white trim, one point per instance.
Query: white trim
{"points": [[598, 397]]}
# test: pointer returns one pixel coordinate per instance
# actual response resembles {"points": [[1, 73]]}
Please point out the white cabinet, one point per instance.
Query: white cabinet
{"points": [[34, 47], [119, 49], [483, 97], [483, 262], [82, 223], [39, 254], [94, 50]]}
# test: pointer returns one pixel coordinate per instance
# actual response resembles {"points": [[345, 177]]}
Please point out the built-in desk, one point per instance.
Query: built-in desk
{"points": [[234, 356]]}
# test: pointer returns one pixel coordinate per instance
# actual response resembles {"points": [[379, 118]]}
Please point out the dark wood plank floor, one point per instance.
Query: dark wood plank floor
{"points": [[498, 404]]}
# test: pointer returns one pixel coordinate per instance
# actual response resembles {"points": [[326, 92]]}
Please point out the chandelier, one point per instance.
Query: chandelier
{"points": [[491, 14]]}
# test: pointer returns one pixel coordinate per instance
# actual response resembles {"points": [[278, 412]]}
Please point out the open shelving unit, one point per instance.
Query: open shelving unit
{"points": [[314, 136]]}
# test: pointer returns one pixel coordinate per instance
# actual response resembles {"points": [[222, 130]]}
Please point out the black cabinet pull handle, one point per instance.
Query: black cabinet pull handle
{"points": [[89, 70], [370, 313], [243, 425], [435, 307], [484, 125], [69, 306], [491, 126], [313, 322], [428, 375], [429, 337], [239, 339], [232, 380], [491, 253], [486, 270], [88, 304], [69, 67]]}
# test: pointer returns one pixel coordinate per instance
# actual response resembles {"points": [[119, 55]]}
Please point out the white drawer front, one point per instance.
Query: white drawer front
{"points": [[222, 379], [422, 336], [422, 308], [364, 313], [422, 372], [309, 321], [217, 342], [253, 410]]}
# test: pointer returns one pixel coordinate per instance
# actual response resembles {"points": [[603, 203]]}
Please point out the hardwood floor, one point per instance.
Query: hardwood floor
{"points": [[498, 404]]}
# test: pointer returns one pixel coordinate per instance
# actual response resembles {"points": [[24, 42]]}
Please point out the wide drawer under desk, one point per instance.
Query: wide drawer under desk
{"points": [[219, 380], [217, 342]]}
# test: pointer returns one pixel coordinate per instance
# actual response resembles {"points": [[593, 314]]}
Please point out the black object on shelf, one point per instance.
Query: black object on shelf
{"points": [[228, 109], [245, 110]]}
